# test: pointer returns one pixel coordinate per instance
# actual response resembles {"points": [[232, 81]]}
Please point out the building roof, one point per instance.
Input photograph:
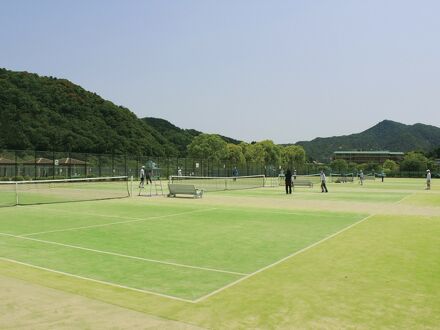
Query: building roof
{"points": [[6, 161], [70, 161], [41, 161], [378, 152]]}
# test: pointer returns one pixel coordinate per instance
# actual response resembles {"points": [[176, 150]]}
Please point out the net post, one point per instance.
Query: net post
{"points": [[16, 193], [131, 186]]}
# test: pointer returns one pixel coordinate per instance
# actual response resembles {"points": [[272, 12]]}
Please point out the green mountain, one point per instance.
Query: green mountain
{"points": [[386, 135], [178, 136], [47, 113]]}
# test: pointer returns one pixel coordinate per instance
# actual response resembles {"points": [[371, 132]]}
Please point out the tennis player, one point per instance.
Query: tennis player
{"points": [[323, 182], [428, 179], [142, 177], [361, 178], [288, 181]]}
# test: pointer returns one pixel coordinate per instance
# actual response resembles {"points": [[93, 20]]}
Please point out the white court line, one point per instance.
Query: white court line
{"points": [[98, 281], [124, 255], [299, 212], [281, 260], [405, 197], [116, 223]]}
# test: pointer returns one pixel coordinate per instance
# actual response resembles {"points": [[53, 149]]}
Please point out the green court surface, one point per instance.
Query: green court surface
{"points": [[254, 258], [178, 251]]}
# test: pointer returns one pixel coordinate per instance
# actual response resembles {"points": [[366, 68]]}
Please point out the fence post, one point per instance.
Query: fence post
{"points": [[69, 169], [16, 165], [85, 165], [35, 164]]}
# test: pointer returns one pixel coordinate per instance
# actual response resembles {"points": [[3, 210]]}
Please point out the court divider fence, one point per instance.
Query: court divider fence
{"points": [[36, 165]]}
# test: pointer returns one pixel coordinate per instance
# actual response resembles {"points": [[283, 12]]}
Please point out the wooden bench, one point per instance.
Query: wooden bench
{"points": [[302, 183], [184, 189]]}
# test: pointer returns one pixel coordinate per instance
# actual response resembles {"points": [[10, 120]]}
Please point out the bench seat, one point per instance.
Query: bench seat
{"points": [[302, 183], [184, 189]]}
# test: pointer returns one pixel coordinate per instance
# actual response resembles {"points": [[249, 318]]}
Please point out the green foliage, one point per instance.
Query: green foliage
{"points": [[339, 166], [54, 114], [390, 166], [235, 154], [386, 135], [208, 146], [272, 152], [293, 156], [180, 138], [414, 161]]}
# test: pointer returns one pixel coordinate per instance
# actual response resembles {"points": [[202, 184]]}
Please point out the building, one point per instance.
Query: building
{"points": [[368, 156]]}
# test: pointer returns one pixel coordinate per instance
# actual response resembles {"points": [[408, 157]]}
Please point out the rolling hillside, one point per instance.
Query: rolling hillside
{"points": [[47, 113], [386, 135]]}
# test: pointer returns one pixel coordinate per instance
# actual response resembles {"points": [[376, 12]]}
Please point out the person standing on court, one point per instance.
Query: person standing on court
{"points": [[323, 182], [288, 181], [148, 176], [428, 179], [361, 178], [142, 177], [235, 173]]}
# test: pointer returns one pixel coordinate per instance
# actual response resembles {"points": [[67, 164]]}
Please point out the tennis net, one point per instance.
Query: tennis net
{"points": [[341, 178], [65, 190], [220, 183], [314, 178]]}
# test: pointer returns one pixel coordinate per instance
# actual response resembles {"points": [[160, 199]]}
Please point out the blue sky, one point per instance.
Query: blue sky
{"points": [[251, 70]]}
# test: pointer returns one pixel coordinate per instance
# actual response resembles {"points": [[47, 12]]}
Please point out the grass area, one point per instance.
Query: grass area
{"points": [[383, 272], [155, 251]]}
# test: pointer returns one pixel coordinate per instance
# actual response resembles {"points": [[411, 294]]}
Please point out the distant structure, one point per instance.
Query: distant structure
{"points": [[368, 156]]}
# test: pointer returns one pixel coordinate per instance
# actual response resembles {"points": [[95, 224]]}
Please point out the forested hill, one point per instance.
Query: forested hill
{"points": [[47, 113], [178, 136], [386, 135]]}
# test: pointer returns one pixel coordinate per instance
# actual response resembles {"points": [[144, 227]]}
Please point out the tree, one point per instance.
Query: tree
{"points": [[208, 146], [235, 154], [339, 166], [272, 152], [293, 156], [414, 161], [390, 166]]}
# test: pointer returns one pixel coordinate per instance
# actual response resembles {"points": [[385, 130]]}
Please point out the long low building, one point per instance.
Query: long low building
{"points": [[368, 156]]}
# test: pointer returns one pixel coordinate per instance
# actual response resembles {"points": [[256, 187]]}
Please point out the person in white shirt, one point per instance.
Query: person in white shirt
{"points": [[361, 178], [142, 177], [428, 179], [323, 180]]}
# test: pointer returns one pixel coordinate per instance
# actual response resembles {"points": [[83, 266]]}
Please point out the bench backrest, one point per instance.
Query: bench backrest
{"points": [[302, 183], [182, 188]]}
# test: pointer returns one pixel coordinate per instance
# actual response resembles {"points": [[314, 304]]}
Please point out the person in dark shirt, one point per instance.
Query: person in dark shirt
{"points": [[288, 181]]}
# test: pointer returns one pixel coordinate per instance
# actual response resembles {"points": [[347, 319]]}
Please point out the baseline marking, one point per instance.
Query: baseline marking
{"points": [[116, 223], [281, 260], [98, 281], [124, 255]]}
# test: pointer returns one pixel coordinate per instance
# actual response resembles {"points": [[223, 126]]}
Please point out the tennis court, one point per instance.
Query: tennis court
{"points": [[181, 251], [235, 253]]}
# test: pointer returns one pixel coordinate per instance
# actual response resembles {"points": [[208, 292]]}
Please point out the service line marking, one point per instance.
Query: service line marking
{"points": [[98, 281], [245, 276], [124, 255], [281, 260], [116, 223]]}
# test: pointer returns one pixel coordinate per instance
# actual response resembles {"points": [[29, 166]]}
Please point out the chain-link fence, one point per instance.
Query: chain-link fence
{"points": [[35, 165]]}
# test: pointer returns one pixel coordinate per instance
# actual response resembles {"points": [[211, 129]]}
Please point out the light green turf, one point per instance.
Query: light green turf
{"points": [[383, 273], [232, 240]]}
